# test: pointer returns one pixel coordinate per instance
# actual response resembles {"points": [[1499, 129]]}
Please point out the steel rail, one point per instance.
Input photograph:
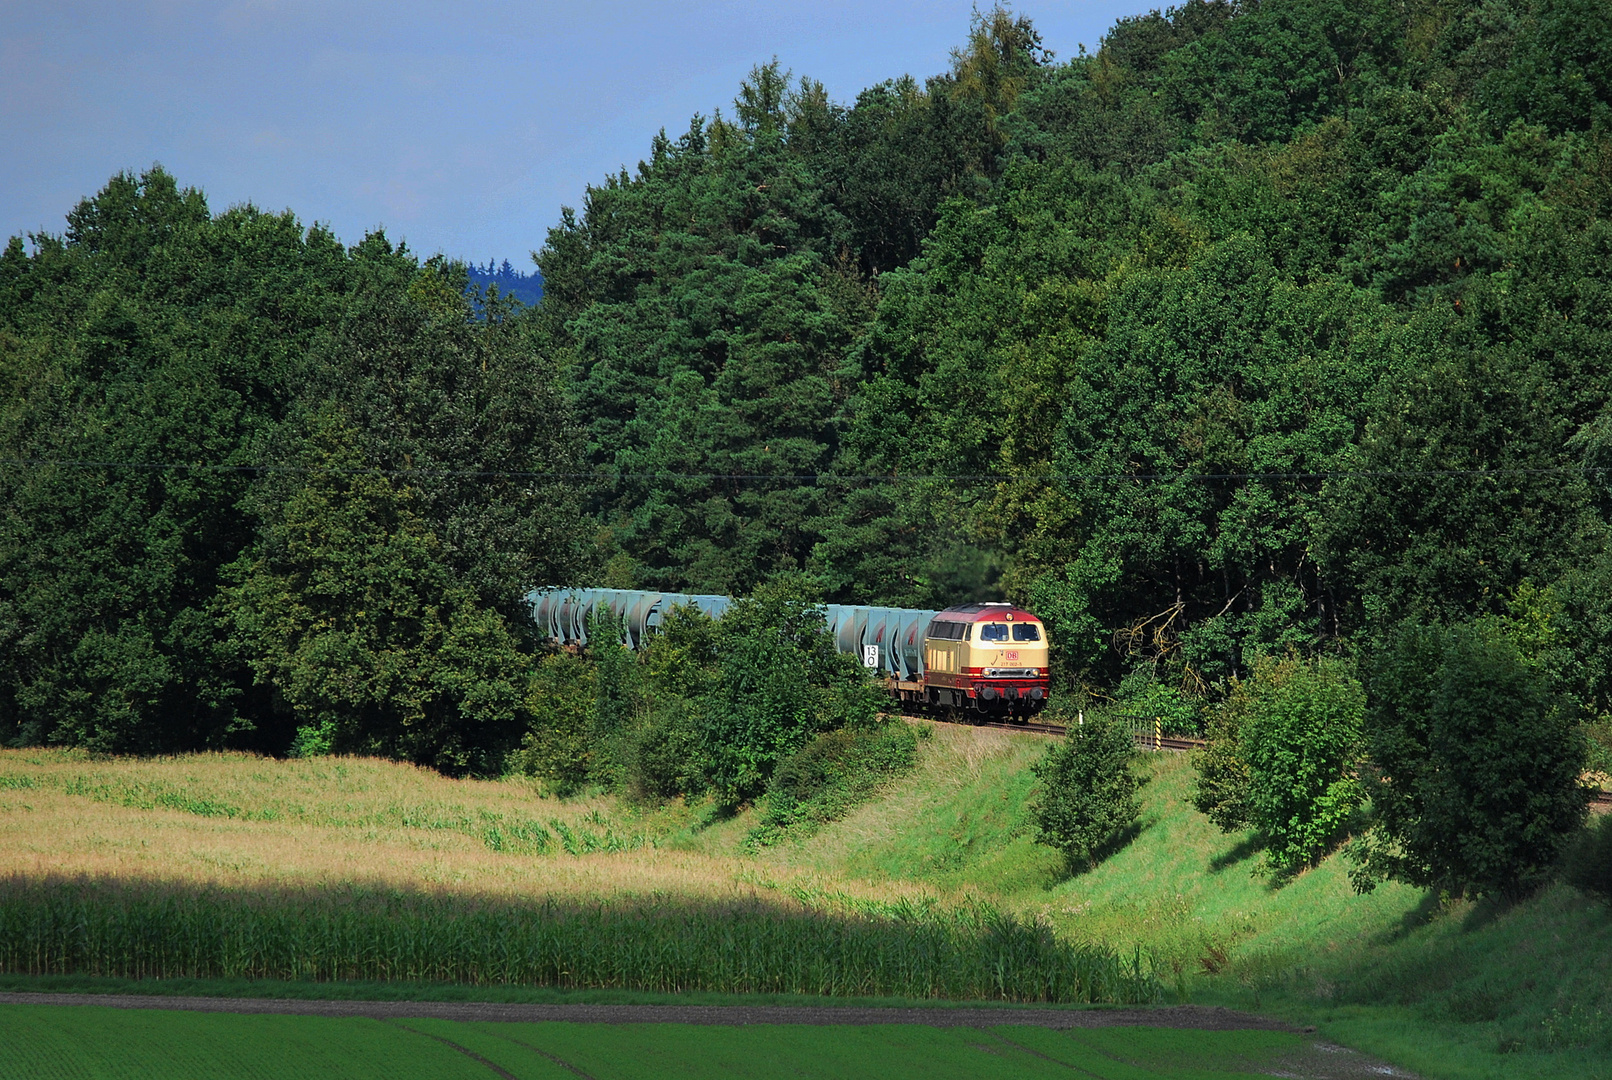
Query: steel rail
{"points": [[1144, 741]]}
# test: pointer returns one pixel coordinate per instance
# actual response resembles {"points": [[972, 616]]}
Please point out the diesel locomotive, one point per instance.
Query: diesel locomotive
{"points": [[989, 660]]}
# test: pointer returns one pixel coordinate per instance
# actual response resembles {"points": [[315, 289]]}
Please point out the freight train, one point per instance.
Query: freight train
{"points": [[985, 659]]}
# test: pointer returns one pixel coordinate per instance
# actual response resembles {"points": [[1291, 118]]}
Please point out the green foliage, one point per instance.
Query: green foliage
{"points": [[1262, 328], [559, 746], [1589, 859], [152, 336], [1142, 696], [780, 682], [1302, 741], [1221, 790], [707, 705], [617, 693], [831, 774], [1598, 743], [314, 740], [666, 753], [350, 613], [1478, 762], [1559, 73], [1087, 791], [681, 661], [246, 490]]}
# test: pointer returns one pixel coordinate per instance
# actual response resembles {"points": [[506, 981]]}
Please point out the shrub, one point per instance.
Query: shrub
{"points": [[834, 772], [1142, 695], [558, 747], [709, 704], [1479, 764], [665, 754], [616, 691], [1598, 741], [1302, 741], [1221, 791], [681, 659], [780, 682], [1088, 791]]}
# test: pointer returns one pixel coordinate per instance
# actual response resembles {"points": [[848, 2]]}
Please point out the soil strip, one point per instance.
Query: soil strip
{"points": [[1173, 1016]]}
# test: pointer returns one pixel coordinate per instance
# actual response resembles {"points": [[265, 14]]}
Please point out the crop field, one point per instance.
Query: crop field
{"points": [[154, 931], [68, 1043], [236, 867]]}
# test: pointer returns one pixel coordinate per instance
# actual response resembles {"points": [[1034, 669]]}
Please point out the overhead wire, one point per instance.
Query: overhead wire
{"points": [[803, 478]]}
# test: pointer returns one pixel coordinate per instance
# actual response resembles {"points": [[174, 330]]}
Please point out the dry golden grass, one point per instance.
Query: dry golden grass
{"points": [[241, 820]]}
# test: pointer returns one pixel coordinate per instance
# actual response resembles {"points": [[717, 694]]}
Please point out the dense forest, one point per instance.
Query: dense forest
{"points": [[1263, 329]]}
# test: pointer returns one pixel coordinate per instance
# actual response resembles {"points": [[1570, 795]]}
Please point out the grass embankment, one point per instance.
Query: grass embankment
{"points": [[57, 1043], [1451, 990]]}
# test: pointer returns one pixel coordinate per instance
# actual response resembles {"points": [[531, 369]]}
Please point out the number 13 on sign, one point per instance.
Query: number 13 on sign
{"points": [[870, 656]]}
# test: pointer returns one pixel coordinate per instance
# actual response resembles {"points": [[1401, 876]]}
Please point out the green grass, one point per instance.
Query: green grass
{"points": [[1180, 888], [1452, 990], [1470, 990], [67, 1043]]}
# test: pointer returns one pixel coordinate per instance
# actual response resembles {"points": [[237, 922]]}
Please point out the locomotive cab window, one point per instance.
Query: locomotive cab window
{"points": [[993, 631], [1023, 631]]}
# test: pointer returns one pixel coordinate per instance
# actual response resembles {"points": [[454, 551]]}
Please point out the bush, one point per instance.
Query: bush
{"points": [[1479, 764], [1589, 859], [779, 682], [830, 775], [1142, 695], [710, 705], [1598, 741], [617, 688], [664, 756], [1221, 792], [1088, 791], [1302, 741], [558, 747]]}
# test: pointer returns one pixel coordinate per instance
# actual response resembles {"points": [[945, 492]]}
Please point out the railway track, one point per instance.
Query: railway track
{"points": [[1144, 741]]}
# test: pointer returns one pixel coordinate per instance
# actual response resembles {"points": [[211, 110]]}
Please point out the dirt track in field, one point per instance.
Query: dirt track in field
{"points": [[1177, 1016]]}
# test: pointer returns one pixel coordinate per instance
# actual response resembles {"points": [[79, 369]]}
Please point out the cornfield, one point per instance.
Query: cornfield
{"points": [[145, 930]]}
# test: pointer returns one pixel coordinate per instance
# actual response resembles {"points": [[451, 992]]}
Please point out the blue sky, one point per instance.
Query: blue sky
{"points": [[462, 128]]}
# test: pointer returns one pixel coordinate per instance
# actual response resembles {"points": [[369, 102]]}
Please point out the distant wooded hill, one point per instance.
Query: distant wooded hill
{"points": [[527, 288]]}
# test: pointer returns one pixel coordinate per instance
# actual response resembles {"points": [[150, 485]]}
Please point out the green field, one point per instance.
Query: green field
{"points": [[69, 1043], [1448, 989]]}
